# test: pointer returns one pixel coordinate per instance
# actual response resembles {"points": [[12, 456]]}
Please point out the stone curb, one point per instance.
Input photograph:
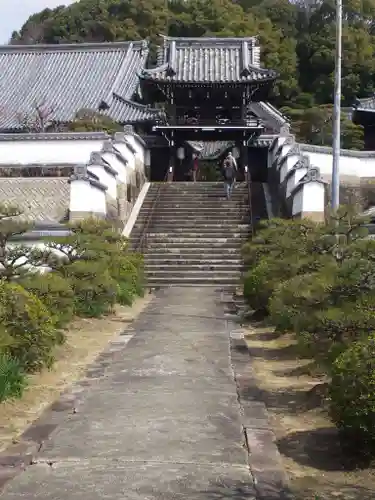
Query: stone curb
{"points": [[23, 453], [270, 479]]}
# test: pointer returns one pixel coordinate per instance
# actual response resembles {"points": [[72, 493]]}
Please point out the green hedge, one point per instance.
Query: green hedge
{"points": [[352, 396], [317, 281], [29, 325], [96, 269], [55, 292]]}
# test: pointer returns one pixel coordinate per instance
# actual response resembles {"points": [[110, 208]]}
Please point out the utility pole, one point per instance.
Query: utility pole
{"points": [[336, 147]]}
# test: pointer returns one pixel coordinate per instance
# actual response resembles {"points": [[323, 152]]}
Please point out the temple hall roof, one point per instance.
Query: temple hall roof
{"points": [[127, 111], [62, 79], [205, 60], [365, 104], [211, 150]]}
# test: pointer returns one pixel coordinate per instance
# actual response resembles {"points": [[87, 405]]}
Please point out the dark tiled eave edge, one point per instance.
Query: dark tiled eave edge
{"points": [[73, 47], [142, 108], [40, 230], [360, 109], [55, 136], [153, 75], [311, 148]]}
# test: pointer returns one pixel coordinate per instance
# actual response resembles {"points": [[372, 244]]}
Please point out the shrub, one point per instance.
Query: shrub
{"points": [[138, 261], [279, 238], [263, 279], [55, 292], [328, 332], [352, 396], [127, 271], [94, 289], [298, 297], [12, 378], [29, 325]]}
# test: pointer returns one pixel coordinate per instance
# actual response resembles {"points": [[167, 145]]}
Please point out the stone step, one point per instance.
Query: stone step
{"points": [[185, 248], [152, 269], [194, 235], [193, 273], [214, 217], [188, 261], [189, 282], [205, 211], [161, 242], [193, 252], [209, 195], [181, 187], [223, 205], [197, 229], [187, 223]]}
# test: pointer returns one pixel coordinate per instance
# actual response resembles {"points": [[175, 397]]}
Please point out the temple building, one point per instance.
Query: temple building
{"points": [[208, 88], [202, 91], [201, 97]]}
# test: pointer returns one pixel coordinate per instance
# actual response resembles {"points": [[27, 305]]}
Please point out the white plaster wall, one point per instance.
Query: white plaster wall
{"points": [[123, 149], [297, 202], [140, 150], [288, 165], [280, 140], [310, 198], [86, 198], [294, 179], [116, 164], [349, 165], [105, 178], [285, 149], [49, 151]]}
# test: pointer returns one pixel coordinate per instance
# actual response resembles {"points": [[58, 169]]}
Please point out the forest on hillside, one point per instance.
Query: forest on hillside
{"points": [[297, 40]]}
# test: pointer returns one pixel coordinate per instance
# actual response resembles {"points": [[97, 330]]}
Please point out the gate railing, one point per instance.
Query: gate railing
{"points": [[143, 240], [249, 194]]}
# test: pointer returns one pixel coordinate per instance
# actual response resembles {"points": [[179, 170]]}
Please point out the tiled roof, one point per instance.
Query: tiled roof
{"points": [[66, 78], [209, 60], [366, 104], [55, 136], [312, 148], [269, 114], [211, 150], [124, 110], [42, 199]]}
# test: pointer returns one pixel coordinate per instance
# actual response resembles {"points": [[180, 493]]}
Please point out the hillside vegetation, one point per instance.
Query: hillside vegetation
{"points": [[298, 40]]}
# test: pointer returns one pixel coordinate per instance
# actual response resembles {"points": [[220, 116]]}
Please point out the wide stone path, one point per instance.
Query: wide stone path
{"points": [[162, 423]]}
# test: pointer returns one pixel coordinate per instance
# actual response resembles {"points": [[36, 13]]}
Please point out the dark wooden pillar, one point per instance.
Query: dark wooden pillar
{"points": [[243, 107]]}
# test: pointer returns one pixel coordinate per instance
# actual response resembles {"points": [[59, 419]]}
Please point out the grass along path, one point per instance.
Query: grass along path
{"points": [[86, 339], [306, 438]]}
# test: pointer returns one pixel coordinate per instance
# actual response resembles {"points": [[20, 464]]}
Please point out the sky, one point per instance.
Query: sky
{"points": [[13, 13]]}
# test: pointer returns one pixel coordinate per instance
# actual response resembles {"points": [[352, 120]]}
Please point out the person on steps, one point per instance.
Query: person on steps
{"points": [[230, 169], [195, 168]]}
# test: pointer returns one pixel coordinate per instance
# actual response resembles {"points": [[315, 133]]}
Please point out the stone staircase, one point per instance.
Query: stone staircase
{"points": [[195, 235]]}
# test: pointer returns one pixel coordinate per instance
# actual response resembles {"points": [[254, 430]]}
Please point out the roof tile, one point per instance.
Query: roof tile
{"points": [[66, 78], [124, 110], [209, 60]]}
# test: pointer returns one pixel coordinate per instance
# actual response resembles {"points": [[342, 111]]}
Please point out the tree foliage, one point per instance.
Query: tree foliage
{"points": [[84, 274], [297, 40], [317, 282]]}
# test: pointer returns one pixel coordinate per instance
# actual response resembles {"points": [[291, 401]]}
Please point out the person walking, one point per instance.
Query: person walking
{"points": [[195, 168], [230, 169]]}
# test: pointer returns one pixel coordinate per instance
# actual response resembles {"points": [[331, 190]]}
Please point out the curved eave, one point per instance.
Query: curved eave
{"points": [[168, 80]]}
